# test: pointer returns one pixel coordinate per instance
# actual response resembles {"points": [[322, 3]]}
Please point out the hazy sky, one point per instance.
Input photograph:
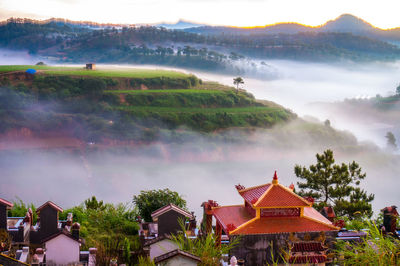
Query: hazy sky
{"points": [[383, 13]]}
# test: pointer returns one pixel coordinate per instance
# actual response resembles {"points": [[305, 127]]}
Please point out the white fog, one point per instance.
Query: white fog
{"points": [[210, 171]]}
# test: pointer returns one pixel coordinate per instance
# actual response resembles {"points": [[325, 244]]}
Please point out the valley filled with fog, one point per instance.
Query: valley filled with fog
{"points": [[200, 169]]}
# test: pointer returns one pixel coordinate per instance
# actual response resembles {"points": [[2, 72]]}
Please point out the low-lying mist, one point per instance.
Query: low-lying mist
{"points": [[11, 57], [199, 170]]}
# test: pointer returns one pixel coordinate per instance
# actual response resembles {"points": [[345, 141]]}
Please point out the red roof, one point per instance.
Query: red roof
{"points": [[6, 202], [312, 213], [231, 217], [307, 247], [280, 196], [252, 194], [273, 225], [272, 195], [51, 204], [311, 259]]}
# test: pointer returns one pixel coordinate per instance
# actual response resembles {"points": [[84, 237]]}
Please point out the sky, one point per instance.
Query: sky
{"points": [[382, 14]]}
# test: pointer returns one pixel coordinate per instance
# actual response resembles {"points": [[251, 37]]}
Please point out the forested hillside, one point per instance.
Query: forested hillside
{"points": [[74, 43]]}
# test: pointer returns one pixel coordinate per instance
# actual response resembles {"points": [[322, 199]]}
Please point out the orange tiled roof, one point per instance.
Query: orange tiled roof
{"points": [[280, 196], [312, 213], [252, 194], [231, 217], [273, 225]]}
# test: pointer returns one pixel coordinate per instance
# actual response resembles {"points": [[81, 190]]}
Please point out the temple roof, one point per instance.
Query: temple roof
{"points": [[272, 195], [251, 219], [274, 225], [252, 194], [231, 217], [237, 220]]}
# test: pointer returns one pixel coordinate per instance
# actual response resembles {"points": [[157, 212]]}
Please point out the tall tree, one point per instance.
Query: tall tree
{"points": [[391, 141], [151, 200], [238, 81], [334, 184]]}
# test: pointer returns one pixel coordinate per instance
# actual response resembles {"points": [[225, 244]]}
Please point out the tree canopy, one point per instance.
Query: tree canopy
{"points": [[238, 81], [391, 141], [151, 200], [334, 184]]}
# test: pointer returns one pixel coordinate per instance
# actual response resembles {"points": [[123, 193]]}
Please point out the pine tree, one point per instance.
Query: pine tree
{"points": [[334, 184]]}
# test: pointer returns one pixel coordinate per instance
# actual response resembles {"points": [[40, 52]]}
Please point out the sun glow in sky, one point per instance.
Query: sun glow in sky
{"points": [[383, 13]]}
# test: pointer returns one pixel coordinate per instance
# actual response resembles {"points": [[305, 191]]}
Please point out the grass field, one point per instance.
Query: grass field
{"points": [[187, 91], [110, 73], [235, 110]]}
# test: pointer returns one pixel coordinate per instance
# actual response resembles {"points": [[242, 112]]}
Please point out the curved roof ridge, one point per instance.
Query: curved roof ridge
{"points": [[250, 188]]}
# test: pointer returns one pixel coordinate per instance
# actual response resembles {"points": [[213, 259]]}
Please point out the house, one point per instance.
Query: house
{"points": [[4, 207], [90, 66], [271, 219], [177, 258], [159, 246], [168, 219], [57, 242], [48, 222], [62, 249]]}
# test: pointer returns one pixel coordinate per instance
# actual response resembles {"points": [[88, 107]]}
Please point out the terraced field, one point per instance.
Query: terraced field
{"points": [[101, 72]]}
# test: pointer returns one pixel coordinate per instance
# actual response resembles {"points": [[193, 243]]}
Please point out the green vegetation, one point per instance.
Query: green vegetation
{"points": [[114, 107], [335, 184], [204, 247], [151, 200], [375, 249]]}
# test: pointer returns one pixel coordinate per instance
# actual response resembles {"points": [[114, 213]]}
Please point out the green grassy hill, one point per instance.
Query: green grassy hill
{"points": [[126, 103]]}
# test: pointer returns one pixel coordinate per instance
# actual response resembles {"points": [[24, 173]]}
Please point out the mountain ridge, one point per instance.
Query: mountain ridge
{"points": [[345, 23]]}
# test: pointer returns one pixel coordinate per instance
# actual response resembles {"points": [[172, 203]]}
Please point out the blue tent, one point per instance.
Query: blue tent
{"points": [[31, 71]]}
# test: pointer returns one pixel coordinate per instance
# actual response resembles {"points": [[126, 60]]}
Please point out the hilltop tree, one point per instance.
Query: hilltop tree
{"points": [[398, 90], [334, 184], [151, 200], [391, 141], [238, 81]]}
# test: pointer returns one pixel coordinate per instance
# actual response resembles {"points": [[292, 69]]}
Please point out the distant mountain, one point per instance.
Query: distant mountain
{"points": [[181, 24], [345, 23], [348, 23]]}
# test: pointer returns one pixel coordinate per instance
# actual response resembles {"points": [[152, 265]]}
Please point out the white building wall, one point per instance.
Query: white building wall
{"points": [[162, 247], [62, 250]]}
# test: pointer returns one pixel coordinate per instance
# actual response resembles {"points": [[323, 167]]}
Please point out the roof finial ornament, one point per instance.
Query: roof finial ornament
{"points": [[275, 179]]}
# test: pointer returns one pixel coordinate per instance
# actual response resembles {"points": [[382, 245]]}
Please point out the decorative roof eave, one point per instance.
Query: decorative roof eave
{"points": [[320, 222], [243, 225], [51, 204], [169, 207], [8, 204], [250, 188], [273, 233]]}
